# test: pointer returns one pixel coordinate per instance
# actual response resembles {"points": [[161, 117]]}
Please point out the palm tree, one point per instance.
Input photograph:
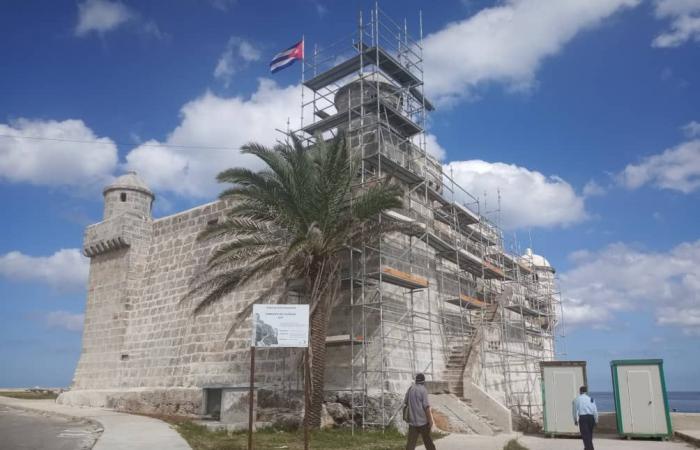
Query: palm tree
{"points": [[293, 220]]}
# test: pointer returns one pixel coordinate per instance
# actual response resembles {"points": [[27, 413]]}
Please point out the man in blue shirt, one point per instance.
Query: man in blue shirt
{"points": [[585, 416], [420, 420]]}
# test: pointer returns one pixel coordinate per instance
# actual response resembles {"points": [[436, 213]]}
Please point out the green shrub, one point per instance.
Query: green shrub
{"points": [[513, 444], [30, 395]]}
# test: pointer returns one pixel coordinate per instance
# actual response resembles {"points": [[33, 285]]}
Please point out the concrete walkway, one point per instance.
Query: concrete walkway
{"points": [[609, 442], [121, 431], [692, 436]]}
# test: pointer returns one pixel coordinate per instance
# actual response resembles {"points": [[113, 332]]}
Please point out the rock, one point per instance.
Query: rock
{"points": [[275, 399], [288, 421], [326, 419], [338, 412]]}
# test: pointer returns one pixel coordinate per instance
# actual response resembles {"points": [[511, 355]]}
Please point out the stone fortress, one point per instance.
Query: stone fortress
{"points": [[443, 298]]}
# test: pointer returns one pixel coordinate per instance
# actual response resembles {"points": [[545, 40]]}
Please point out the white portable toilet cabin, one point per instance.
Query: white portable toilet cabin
{"points": [[641, 401], [561, 381]]}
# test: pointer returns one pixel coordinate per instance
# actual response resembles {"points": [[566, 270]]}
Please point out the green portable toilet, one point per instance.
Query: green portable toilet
{"points": [[641, 402], [561, 381]]}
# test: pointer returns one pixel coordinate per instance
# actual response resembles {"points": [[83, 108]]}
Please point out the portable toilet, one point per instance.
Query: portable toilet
{"points": [[641, 402], [561, 381]]}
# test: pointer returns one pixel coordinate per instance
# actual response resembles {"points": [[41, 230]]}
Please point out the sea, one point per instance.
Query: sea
{"points": [[677, 401]]}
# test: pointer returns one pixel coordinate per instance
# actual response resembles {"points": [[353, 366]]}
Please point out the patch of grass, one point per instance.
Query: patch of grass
{"points": [[30, 395], [200, 438], [513, 444]]}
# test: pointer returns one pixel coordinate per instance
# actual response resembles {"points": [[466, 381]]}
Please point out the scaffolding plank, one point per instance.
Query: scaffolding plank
{"points": [[343, 339], [392, 67], [525, 310], [327, 123], [387, 63], [439, 244], [405, 126], [322, 114], [424, 101], [400, 278], [515, 261], [399, 122], [491, 271], [336, 73], [437, 196], [468, 302], [390, 166], [413, 228], [469, 216]]}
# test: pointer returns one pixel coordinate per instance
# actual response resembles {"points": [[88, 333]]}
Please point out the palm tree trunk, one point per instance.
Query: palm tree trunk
{"points": [[319, 325], [323, 294]]}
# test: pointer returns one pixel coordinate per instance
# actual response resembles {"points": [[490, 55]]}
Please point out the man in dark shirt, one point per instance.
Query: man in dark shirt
{"points": [[420, 421]]}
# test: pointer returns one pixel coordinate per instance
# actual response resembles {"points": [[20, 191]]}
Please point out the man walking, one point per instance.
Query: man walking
{"points": [[586, 417], [420, 420]]}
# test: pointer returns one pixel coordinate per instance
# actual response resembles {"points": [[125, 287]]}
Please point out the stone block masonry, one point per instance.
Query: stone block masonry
{"points": [[143, 349]]}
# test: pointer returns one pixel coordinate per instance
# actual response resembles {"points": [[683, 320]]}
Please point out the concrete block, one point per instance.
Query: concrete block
{"points": [[235, 405]]}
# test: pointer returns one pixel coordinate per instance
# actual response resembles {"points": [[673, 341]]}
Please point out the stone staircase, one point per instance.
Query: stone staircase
{"points": [[458, 360], [454, 370], [456, 415], [460, 353], [495, 428]]}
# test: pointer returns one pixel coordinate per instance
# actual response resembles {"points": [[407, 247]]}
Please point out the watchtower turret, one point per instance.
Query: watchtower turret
{"points": [[128, 194]]}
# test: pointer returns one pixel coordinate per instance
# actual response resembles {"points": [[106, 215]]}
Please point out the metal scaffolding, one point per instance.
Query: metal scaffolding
{"points": [[413, 301]]}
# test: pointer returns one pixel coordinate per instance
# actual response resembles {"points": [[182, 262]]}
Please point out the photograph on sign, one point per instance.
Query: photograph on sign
{"points": [[280, 326]]}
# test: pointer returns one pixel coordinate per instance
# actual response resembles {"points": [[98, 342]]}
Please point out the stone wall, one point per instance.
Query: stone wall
{"points": [[144, 349], [140, 334]]}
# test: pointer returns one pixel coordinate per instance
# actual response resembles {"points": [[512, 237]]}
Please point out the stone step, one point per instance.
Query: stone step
{"points": [[453, 376]]}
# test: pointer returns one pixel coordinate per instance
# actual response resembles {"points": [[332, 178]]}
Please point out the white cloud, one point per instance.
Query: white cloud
{"points": [[676, 168], [528, 198], [65, 320], [214, 121], [237, 55], [507, 43], [593, 189], [691, 129], [433, 147], [222, 5], [101, 16], [49, 155], [685, 22], [321, 10], [621, 278], [67, 269]]}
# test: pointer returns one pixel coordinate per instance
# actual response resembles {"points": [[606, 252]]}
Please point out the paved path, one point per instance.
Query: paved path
{"points": [[474, 442], [690, 436], [121, 431], [28, 430]]}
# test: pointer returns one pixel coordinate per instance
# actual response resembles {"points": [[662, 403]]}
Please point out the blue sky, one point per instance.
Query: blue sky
{"points": [[583, 113]]}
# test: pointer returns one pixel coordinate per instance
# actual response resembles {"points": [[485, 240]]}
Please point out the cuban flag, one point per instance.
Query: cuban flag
{"points": [[287, 57]]}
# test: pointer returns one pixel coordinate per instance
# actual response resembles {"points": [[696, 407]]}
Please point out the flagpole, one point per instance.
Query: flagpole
{"points": [[303, 64]]}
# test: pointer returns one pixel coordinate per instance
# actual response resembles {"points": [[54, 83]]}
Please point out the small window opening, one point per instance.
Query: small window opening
{"points": [[125, 357], [122, 196], [212, 403], [212, 222]]}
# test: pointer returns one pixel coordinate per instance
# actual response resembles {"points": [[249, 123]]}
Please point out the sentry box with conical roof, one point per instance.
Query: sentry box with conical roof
{"points": [[641, 402], [561, 381]]}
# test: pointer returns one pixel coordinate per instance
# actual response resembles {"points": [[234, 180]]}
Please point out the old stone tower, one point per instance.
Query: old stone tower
{"points": [[442, 297]]}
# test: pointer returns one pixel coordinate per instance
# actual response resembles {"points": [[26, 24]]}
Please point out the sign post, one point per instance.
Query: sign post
{"points": [[251, 394], [307, 400], [278, 326]]}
